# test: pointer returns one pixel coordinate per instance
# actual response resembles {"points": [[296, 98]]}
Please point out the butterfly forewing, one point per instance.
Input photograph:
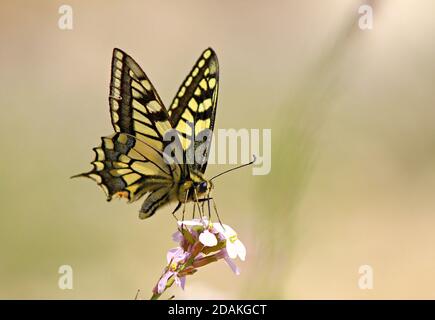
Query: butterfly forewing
{"points": [[135, 106], [193, 109]]}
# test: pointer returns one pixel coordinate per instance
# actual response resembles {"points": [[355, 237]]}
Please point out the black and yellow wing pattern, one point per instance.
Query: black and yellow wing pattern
{"points": [[131, 162], [135, 106], [193, 110], [130, 168]]}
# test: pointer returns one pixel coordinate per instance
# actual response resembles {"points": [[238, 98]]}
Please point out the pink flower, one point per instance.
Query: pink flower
{"points": [[206, 237], [210, 234], [201, 242], [174, 257]]}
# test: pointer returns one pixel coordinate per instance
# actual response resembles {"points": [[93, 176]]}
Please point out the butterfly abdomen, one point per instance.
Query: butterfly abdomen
{"points": [[154, 201]]}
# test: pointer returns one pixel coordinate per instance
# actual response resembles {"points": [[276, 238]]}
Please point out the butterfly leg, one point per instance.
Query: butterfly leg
{"points": [[184, 208], [209, 210], [208, 199], [208, 205], [197, 201], [194, 210], [175, 210], [203, 200]]}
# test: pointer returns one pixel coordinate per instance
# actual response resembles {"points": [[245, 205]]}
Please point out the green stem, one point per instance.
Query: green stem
{"points": [[157, 295]]}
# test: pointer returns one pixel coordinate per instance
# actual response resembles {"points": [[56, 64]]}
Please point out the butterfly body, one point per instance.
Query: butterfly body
{"points": [[133, 162], [195, 187]]}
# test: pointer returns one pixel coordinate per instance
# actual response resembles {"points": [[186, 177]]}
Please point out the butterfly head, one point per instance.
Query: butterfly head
{"points": [[195, 188], [203, 187]]}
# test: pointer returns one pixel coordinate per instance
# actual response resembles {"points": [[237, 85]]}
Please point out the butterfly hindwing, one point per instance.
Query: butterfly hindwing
{"points": [[135, 106], [127, 167], [193, 109]]}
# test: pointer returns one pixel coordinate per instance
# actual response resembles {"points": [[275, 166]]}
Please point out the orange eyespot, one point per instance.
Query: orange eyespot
{"points": [[122, 194]]}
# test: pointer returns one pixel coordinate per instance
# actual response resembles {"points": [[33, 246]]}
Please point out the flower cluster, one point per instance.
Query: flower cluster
{"points": [[200, 242]]}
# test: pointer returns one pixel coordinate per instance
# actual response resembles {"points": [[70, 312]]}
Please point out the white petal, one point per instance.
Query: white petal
{"points": [[224, 230], [163, 281], [232, 265], [182, 282], [231, 250], [205, 221], [177, 236], [172, 253], [194, 222], [241, 249], [208, 239], [228, 231], [218, 227]]}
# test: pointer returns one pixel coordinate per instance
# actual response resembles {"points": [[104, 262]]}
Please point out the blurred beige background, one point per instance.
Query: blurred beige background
{"points": [[351, 114]]}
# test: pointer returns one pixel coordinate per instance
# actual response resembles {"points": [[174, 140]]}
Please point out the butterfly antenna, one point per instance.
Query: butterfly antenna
{"points": [[232, 169]]}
